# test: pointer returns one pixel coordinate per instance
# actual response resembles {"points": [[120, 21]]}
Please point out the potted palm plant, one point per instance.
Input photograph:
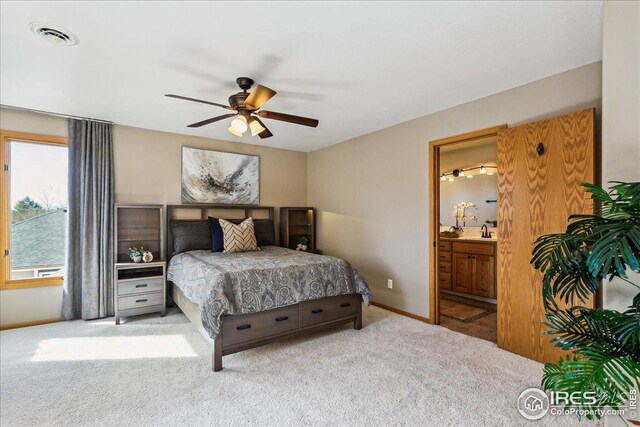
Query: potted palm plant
{"points": [[604, 344]]}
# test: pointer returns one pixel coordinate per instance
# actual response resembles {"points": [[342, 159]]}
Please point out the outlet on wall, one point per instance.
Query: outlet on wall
{"points": [[389, 283]]}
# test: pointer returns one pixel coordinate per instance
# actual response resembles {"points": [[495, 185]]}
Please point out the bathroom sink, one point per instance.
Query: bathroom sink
{"points": [[476, 238]]}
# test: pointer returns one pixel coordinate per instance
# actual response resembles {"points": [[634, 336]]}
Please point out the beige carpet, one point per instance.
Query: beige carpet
{"points": [[157, 371]]}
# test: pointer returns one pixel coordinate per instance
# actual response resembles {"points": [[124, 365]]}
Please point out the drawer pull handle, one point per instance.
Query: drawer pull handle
{"points": [[282, 319], [144, 285], [316, 311], [241, 327], [345, 304], [141, 300]]}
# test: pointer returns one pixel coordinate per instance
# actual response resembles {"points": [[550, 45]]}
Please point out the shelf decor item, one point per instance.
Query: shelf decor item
{"points": [[147, 256], [303, 245], [604, 344], [460, 213], [452, 233], [136, 254], [218, 177]]}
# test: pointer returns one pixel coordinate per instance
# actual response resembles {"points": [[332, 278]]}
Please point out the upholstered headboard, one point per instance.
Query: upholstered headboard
{"points": [[197, 213]]}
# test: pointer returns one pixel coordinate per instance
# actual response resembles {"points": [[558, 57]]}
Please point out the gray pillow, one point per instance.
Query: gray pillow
{"points": [[190, 235], [265, 232]]}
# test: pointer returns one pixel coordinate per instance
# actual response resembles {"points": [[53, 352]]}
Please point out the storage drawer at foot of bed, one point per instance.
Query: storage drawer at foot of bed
{"points": [[239, 329], [327, 309]]}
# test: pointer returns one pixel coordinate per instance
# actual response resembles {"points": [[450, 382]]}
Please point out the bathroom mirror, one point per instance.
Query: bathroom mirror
{"points": [[468, 174]]}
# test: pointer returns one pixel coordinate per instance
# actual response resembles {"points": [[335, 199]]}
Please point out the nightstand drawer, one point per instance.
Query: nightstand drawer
{"points": [[137, 286], [142, 300]]}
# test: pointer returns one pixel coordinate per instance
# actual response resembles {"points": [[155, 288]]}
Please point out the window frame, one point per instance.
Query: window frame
{"points": [[6, 137]]}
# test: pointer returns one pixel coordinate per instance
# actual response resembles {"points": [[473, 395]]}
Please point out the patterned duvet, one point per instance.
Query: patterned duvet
{"points": [[248, 282]]}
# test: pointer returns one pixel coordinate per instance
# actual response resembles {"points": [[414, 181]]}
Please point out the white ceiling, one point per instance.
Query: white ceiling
{"points": [[356, 66]]}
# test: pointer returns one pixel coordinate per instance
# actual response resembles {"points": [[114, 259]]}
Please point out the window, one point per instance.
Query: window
{"points": [[33, 214]]}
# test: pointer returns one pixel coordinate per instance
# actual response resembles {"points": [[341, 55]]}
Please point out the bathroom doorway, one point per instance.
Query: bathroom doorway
{"points": [[464, 224]]}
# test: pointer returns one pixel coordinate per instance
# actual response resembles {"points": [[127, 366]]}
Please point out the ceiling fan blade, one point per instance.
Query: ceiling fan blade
{"points": [[214, 119], [199, 100], [305, 121], [258, 96], [266, 133]]}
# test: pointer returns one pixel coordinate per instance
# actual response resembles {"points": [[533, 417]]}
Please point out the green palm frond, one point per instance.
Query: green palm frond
{"points": [[605, 343], [627, 328], [594, 369]]}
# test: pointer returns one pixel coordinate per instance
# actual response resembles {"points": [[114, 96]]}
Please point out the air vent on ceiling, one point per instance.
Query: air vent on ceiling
{"points": [[54, 34]]}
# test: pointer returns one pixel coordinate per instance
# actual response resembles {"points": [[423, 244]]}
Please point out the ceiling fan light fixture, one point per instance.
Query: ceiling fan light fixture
{"points": [[239, 124], [233, 131], [255, 127]]}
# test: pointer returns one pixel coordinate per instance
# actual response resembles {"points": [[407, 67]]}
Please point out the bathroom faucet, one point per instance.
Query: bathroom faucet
{"points": [[486, 234]]}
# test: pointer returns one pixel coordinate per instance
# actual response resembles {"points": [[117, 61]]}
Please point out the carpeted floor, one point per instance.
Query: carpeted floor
{"points": [[157, 371]]}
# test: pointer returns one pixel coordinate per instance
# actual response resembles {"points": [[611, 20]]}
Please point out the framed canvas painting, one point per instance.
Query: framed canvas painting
{"points": [[220, 177]]}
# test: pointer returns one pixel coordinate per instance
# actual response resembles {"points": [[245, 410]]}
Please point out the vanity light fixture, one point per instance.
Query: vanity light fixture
{"points": [[469, 172]]}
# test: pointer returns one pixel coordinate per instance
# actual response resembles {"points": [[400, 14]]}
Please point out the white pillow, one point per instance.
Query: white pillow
{"points": [[240, 237]]}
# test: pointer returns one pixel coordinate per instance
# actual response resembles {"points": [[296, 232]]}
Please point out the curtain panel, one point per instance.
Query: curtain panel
{"points": [[88, 284]]}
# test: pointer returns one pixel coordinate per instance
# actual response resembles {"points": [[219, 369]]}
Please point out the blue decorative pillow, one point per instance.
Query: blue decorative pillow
{"points": [[216, 235]]}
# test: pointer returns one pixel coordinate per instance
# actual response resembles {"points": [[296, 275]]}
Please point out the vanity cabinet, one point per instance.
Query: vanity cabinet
{"points": [[462, 272], [471, 267]]}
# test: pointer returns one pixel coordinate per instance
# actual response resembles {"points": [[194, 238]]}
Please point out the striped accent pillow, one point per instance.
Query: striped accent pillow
{"points": [[240, 237]]}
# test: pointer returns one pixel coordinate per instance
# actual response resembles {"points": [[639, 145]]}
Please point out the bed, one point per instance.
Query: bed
{"points": [[244, 300]]}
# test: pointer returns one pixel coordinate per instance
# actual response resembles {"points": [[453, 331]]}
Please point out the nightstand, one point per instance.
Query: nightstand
{"points": [[139, 288]]}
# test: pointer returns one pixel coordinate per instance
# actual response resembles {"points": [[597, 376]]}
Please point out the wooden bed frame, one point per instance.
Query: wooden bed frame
{"points": [[244, 331]]}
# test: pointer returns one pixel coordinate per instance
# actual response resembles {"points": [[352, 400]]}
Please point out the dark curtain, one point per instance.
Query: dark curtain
{"points": [[88, 284]]}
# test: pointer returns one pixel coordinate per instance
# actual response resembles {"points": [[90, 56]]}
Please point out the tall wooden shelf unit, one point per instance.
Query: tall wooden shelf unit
{"points": [[296, 223], [139, 225], [139, 288]]}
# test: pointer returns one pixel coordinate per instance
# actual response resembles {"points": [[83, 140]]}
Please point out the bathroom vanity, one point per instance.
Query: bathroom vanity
{"points": [[468, 265]]}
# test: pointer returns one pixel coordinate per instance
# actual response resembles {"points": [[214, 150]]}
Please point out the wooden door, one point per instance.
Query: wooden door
{"points": [[536, 194], [483, 280], [462, 272]]}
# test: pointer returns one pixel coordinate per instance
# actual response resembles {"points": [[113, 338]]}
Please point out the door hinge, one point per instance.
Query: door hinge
{"points": [[6, 252], [6, 168]]}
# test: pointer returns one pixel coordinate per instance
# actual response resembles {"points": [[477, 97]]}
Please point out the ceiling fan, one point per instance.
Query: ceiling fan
{"points": [[247, 111]]}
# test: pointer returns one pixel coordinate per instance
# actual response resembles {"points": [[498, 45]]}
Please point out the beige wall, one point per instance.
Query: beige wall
{"points": [[621, 113], [147, 170], [372, 191]]}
